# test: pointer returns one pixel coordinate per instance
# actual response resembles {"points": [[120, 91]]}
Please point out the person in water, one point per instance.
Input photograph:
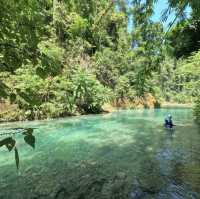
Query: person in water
{"points": [[168, 122]]}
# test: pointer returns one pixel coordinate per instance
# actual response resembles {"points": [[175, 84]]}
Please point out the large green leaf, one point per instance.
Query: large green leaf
{"points": [[8, 142], [17, 158], [30, 140]]}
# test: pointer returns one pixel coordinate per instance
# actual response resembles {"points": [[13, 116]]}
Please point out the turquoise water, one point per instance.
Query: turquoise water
{"points": [[125, 154]]}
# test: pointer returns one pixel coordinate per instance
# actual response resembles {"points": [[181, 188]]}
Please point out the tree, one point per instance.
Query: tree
{"points": [[185, 38], [147, 43]]}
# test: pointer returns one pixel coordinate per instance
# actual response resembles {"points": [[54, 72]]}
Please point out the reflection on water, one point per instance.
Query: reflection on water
{"points": [[126, 154]]}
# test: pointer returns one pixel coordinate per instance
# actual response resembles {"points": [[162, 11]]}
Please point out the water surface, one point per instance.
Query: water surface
{"points": [[125, 154]]}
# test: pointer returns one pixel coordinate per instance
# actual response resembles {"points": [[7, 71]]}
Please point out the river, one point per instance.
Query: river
{"points": [[124, 154]]}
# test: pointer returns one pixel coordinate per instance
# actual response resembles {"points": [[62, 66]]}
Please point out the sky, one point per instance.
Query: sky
{"points": [[159, 7]]}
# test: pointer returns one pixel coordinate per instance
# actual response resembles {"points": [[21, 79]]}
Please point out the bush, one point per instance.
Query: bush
{"points": [[123, 89], [90, 95]]}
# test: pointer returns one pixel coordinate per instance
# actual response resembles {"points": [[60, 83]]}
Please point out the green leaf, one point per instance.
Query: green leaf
{"points": [[11, 144], [30, 140], [17, 158], [8, 142], [41, 72], [12, 97]]}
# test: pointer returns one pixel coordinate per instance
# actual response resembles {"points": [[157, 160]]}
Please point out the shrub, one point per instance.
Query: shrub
{"points": [[90, 95]]}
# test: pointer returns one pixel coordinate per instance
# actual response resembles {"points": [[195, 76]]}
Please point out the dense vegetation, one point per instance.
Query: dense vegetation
{"points": [[65, 57]]}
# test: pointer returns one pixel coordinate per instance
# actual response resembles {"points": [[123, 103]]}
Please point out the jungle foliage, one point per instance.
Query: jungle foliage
{"points": [[61, 58]]}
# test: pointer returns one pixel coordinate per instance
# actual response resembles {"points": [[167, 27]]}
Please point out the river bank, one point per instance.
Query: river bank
{"points": [[175, 104], [112, 108], [11, 113]]}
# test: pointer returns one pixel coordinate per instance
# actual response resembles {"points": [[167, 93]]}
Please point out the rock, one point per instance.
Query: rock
{"points": [[137, 194]]}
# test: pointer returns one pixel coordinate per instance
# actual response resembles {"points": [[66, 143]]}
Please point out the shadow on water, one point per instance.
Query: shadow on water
{"points": [[10, 142]]}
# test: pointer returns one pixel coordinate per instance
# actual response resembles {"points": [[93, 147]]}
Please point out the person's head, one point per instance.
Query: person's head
{"points": [[169, 116]]}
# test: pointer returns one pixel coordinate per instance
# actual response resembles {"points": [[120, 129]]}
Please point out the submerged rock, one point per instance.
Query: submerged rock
{"points": [[174, 191], [137, 194], [169, 191]]}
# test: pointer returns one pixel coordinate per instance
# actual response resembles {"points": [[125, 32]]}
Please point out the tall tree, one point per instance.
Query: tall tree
{"points": [[147, 42]]}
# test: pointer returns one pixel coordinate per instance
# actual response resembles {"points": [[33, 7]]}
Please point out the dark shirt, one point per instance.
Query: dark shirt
{"points": [[168, 123]]}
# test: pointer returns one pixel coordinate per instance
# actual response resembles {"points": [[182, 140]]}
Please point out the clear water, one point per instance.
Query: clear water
{"points": [[125, 154]]}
